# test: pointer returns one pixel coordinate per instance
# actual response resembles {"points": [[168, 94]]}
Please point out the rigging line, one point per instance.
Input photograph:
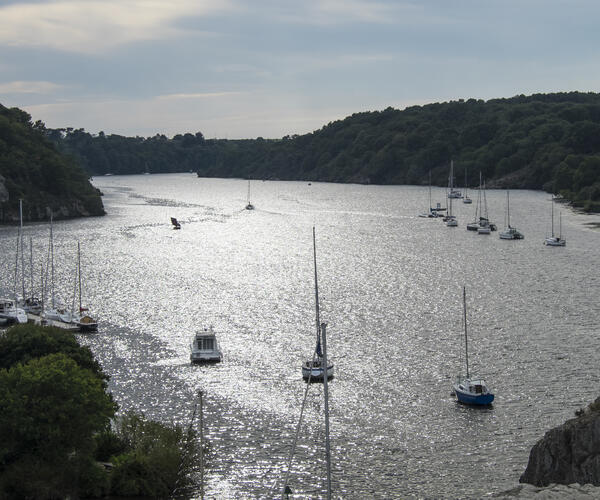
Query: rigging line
{"points": [[295, 442]]}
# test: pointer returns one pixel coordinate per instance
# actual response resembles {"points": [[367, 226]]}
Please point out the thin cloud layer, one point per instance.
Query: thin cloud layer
{"points": [[97, 25]]}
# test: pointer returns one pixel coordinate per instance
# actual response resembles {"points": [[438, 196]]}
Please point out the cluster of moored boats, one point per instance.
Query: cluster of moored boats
{"points": [[481, 222], [30, 307]]}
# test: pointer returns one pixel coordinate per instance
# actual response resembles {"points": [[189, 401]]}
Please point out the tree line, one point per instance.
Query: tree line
{"points": [[34, 170], [542, 141]]}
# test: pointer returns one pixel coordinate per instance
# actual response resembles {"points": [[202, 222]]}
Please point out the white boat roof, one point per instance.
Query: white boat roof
{"points": [[207, 332]]}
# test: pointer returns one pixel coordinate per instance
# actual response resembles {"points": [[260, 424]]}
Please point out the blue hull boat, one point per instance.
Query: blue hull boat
{"points": [[470, 390], [473, 392]]}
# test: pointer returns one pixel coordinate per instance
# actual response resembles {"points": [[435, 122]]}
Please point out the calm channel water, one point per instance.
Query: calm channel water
{"points": [[390, 286]]}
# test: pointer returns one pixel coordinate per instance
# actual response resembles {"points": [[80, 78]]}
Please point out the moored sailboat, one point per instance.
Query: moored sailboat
{"points": [[467, 388], [555, 240], [510, 233], [313, 370]]}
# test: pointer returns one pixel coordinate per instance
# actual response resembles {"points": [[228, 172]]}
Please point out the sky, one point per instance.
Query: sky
{"points": [[269, 68]]}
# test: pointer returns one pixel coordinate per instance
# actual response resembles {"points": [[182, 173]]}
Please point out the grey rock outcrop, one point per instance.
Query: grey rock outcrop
{"points": [[569, 453]]}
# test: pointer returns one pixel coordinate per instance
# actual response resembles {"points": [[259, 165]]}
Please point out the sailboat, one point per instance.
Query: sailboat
{"points": [[9, 311], [468, 389], [314, 369], [510, 233], [466, 198], [56, 312], [30, 304], [433, 212], [450, 219], [555, 240], [485, 226], [249, 206], [452, 192], [84, 321]]}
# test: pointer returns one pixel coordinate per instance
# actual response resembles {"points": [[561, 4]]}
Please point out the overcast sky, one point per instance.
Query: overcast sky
{"points": [[243, 68]]}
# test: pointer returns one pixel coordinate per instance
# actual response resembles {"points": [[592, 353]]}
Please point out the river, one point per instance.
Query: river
{"points": [[390, 285]]}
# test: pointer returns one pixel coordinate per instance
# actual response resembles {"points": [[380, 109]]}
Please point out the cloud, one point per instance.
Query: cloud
{"points": [[95, 26], [25, 87]]}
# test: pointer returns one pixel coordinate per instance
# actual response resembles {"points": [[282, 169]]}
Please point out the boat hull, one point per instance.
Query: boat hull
{"points": [[206, 357], [473, 399], [316, 374], [555, 242]]}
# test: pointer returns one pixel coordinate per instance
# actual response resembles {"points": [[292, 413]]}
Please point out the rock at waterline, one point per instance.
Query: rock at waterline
{"points": [[569, 453]]}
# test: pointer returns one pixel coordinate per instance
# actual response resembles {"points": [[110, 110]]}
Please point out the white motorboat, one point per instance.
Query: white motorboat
{"points": [[205, 347], [314, 369], [10, 313], [555, 240]]}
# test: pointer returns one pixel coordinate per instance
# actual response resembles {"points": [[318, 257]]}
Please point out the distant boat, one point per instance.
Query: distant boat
{"points": [[249, 206], [485, 226], [471, 390], [433, 212], [555, 240], [205, 348], [314, 368], [84, 321], [453, 193], [510, 233], [175, 223], [466, 198], [450, 218]]}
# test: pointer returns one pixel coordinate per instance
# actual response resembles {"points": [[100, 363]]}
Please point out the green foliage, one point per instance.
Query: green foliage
{"points": [[521, 142], [157, 459], [22, 343], [33, 169], [50, 408]]}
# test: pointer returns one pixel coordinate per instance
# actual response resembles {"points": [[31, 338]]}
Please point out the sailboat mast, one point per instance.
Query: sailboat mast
{"points": [[507, 209], [31, 264], [430, 207], [79, 272], [552, 215], [316, 289], [326, 393], [465, 322], [52, 261], [22, 249]]}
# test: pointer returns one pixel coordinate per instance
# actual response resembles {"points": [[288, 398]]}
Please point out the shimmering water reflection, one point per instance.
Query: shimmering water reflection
{"points": [[390, 286]]}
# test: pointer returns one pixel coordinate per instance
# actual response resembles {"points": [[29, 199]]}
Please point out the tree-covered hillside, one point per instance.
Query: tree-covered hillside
{"points": [[32, 169], [543, 141]]}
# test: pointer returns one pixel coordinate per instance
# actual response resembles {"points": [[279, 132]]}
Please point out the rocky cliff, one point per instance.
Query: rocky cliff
{"points": [[569, 453]]}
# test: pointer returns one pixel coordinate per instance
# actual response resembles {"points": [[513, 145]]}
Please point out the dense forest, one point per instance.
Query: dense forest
{"points": [[543, 141], [32, 169]]}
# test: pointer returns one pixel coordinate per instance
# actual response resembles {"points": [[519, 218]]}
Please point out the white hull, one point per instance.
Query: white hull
{"points": [[316, 373], [555, 242], [205, 348], [511, 234], [10, 314]]}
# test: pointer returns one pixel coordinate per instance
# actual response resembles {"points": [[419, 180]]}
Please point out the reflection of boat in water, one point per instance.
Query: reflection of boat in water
{"points": [[471, 390], [314, 369], [175, 222], [205, 348]]}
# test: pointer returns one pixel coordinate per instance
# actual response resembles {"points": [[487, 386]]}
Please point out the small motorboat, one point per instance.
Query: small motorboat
{"points": [[175, 222], [205, 348]]}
